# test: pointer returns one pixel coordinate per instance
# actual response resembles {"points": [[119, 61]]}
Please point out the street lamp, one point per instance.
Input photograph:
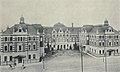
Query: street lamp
{"points": [[105, 52], [81, 58]]}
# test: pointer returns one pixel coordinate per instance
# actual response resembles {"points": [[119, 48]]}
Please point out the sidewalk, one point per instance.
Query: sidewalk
{"points": [[20, 65]]}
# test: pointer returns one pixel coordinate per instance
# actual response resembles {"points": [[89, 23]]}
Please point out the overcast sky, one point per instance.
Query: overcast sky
{"points": [[50, 12]]}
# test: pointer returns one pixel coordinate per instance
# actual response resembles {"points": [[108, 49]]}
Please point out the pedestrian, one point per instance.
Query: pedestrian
{"points": [[10, 66], [23, 67], [14, 64]]}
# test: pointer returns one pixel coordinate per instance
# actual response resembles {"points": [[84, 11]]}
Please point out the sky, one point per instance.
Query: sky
{"points": [[50, 12]]}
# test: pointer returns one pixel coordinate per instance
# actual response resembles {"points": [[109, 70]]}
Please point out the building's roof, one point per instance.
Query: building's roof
{"points": [[97, 28], [58, 26], [48, 30], [31, 29]]}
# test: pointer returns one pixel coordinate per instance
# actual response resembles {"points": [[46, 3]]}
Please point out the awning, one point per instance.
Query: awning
{"points": [[110, 50], [19, 56]]}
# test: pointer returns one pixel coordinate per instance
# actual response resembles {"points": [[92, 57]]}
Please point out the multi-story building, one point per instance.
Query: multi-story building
{"points": [[22, 43], [61, 37], [100, 39]]}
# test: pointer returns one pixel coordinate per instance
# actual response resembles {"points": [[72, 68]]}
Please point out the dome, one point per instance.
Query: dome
{"points": [[106, 23], [59, 25]]}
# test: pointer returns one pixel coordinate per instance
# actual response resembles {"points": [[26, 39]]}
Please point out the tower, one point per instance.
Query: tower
{"points": [[106, 22], [22, 20]]}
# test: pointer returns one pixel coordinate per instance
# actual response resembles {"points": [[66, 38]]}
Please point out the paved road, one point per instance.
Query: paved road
{"points": [[69, 61]]}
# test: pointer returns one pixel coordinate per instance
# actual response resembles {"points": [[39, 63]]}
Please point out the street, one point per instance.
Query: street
{"points": [[69, 61]]}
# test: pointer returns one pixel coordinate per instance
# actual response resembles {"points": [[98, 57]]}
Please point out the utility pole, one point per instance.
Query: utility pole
{"points": [[43, 61], [81, 58], [105, 52]]}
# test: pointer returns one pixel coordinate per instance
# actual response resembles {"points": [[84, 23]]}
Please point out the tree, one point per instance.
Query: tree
{"points": [[76, 47], [70, 47]]}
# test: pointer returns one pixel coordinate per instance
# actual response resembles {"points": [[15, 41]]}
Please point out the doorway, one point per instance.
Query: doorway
{"points": [[19, 59]]}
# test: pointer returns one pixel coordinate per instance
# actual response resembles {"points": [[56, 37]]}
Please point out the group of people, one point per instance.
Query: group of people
{"points": [[12, 66]]}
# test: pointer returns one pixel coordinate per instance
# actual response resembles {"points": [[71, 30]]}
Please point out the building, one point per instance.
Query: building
{"points": [[60, 37], [100, 39], [22, 43]]}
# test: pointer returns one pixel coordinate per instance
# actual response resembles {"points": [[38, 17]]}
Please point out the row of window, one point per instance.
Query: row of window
{"points": [[60, 35], [60, 31], [100, 51], [103, 43], [32, 46], [18, 38], [19, 48], [6, 58], [11, 57], [61, 39], [34, 56], [8, 48], [8, 38]]}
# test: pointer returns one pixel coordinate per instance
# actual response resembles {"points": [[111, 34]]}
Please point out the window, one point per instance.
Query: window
{"points": [[117, 50], [103, 51], [60, 30], [53, 31], [103, 44], [29, 38], [21, 38], [34, 47], [29, 56], [99, 43], [20, 48], [5, 58], [10, 48], [117, 43], [5, 48], [33, 38], [99, 36], [10, 58], [18, 38], [99, 51], [109, 43], [20, 30], [10, 38], [54, 46], [5, 38], [34, 56], [29, 47], [117, 36], [53, 35]]}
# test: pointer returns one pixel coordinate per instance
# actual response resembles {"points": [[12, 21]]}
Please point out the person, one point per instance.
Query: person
{"points": [[23, 67], [14, 64], [10, 66]]}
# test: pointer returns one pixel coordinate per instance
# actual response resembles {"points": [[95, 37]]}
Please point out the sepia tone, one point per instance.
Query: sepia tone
{"points": [[59, 36]]}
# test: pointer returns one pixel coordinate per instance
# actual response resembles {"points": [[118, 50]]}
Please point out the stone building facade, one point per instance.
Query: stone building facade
{"points": [[61, 37], [100, 39], [22, 43]]}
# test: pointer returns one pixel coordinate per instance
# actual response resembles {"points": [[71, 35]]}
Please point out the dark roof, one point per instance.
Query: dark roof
{"points": [[31, 29], [97, 28]]}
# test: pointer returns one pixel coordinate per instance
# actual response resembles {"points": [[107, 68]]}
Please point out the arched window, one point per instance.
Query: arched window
{"points": [[20, 30], [6, 49], [29, 47], [34, 46], [99, 51]]}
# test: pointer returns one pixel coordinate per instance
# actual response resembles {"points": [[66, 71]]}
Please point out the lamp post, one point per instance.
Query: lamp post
{"points": [[105, 52], [81, 58]]}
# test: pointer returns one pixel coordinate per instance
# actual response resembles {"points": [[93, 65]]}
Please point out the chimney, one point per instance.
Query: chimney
{"points": [[7, 27], [72, 24]]}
